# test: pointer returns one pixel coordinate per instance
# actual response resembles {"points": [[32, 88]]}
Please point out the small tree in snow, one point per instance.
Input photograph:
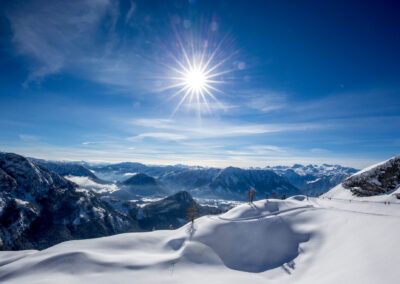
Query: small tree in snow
{"points": [[191, 213], [251, 194], [266, 196], [283, 196], [274, 195]]}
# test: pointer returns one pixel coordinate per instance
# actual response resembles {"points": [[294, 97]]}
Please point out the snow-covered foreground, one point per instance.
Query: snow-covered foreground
{"points": [[290, 241]]}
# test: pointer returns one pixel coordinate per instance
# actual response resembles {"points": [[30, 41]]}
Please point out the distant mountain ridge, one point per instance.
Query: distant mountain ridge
{"points": [[227, 183], [209, 182], [68, 168], [140, 184], [314, 179], [234, 183]]}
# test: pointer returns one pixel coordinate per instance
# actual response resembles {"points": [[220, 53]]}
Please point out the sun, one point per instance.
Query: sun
{"points": [[196, 80], [196, 74]]}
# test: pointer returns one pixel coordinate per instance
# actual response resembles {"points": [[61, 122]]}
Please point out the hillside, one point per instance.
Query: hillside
{"points": [[379, 182], [39, 208], [290, 241]]}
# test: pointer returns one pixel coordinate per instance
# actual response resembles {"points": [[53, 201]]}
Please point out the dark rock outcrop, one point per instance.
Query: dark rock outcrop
{"points": [[378, 179]]}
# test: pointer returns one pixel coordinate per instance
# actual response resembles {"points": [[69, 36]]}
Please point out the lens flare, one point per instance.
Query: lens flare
{"points": [[195, 79], [196, 72]]}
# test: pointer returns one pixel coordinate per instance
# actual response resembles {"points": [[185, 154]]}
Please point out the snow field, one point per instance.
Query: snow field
{"points": [[282, 241]]}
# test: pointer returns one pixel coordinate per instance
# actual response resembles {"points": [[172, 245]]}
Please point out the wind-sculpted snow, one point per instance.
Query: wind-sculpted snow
{"points": [[291, 241], [298, 240]]}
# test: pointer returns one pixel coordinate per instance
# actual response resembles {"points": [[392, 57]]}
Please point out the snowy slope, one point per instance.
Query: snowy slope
{"points": [[290, 241], [380, 182]]}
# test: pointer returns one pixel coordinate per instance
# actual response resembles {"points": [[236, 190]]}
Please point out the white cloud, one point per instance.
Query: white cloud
{"points": [[130, 12], [63, 36], [29, 138], [53, 33], [262, 100], [157, 135], [262, 149], [216, 128], [114, 155]]}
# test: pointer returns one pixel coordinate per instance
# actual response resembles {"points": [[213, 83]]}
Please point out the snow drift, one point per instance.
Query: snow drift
{"points": [[280, 241]]}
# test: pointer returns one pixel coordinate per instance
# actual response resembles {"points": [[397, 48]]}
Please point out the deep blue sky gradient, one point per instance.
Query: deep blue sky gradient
{"points": [[310, 81]]}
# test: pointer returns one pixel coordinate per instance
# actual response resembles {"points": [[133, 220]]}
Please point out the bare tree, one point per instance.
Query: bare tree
{"points": [[191, 213], [251, 194]]}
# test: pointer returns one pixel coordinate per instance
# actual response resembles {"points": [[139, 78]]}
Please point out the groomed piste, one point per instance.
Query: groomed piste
{"points": [[297, 240]]}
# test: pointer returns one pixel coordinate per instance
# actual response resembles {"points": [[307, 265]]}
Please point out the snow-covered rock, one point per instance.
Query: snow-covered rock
{"points": [[39, 208], [380, 182], [377, 179]]}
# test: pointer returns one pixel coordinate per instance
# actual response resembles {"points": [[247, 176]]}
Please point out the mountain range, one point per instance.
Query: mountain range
{"points": [[313, 179], [233, 183], [40, 208], [348, 235]]}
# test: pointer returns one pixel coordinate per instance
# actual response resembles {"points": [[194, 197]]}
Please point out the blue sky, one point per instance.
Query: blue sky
{"points": [[303, 81]]}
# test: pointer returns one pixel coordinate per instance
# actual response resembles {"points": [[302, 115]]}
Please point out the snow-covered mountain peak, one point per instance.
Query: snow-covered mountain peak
{"points": [[26, 175], [378, 180]]}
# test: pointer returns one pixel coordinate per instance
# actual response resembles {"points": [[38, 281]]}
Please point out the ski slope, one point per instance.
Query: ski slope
{"points": [[282, 241]]}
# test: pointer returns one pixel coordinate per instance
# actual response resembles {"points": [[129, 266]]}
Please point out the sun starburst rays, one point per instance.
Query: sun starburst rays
{"points": [[195, 77]]}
